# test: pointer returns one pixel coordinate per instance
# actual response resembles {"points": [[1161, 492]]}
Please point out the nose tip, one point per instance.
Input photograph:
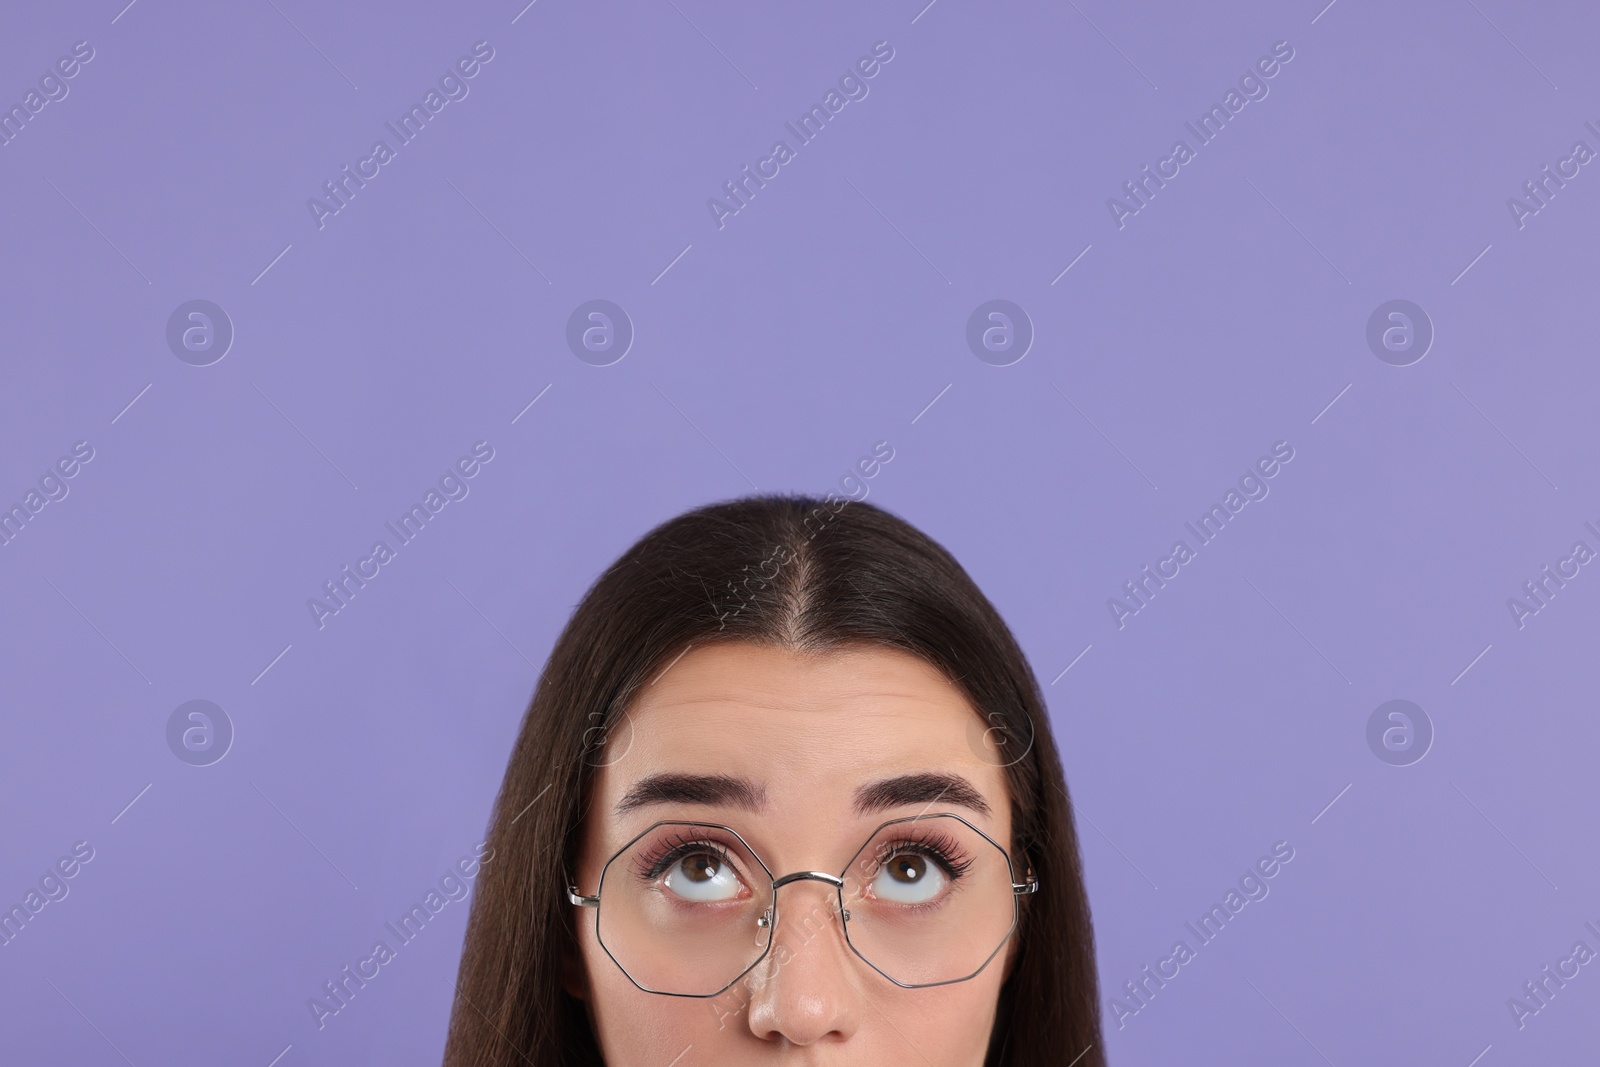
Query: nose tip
{"points": [[808, 989]]}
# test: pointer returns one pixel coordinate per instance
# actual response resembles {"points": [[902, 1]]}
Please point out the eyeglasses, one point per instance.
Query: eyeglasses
{"points": [[689, 907]]}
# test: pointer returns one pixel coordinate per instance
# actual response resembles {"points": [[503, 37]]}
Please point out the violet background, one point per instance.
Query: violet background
{"points": [[827, 315]]}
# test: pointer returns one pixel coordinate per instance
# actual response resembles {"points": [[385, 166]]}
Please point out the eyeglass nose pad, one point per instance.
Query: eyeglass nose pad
{"points": [[764, 920]]}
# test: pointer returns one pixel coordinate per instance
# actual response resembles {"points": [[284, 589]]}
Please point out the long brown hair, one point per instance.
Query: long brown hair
{"points": [[806, 574]]}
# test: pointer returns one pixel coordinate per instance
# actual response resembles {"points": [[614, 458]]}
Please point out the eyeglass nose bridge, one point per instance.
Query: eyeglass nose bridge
{"points": [[765, 919], [820, 876]]}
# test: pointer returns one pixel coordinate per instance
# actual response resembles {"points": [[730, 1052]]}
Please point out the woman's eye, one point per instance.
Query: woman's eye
{"points": [[702, 876], [909, 878]]}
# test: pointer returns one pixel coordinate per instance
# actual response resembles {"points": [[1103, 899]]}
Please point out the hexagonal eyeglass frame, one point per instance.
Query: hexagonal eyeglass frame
{"points": [[769, 918]]}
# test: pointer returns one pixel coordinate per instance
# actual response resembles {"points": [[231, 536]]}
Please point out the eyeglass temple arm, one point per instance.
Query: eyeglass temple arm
{"points": [[1029, 886], [579, 899]]}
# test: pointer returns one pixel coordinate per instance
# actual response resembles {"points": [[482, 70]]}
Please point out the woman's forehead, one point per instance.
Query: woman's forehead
{"points": [[737, 693], [802, 727], [742, 673]]}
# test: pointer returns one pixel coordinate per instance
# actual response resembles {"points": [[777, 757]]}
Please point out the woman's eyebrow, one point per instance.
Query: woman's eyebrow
{"points": [[674, 788], [926, 787]]}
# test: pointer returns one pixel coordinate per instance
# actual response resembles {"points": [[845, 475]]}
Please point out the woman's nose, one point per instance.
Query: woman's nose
{"points": [[811, 982]]}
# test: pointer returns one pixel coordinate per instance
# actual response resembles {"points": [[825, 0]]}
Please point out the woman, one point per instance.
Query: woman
{"points": [[785, 793]]}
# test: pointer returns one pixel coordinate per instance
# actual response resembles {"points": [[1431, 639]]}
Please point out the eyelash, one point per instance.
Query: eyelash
{"points": [[665, 854], [934, 845]]}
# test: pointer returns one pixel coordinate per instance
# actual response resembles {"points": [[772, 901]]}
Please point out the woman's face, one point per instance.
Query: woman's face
{"points": [[808, 742]]}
